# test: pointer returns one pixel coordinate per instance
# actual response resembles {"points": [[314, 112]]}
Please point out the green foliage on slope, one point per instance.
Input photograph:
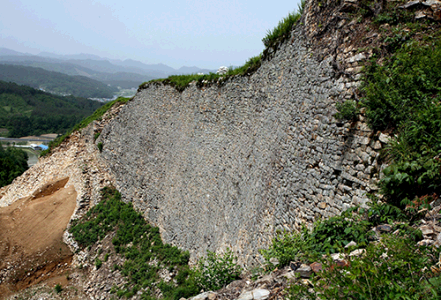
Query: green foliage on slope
{"points": [[145, 254], [13, 162], [57, 83], [392, 269], [181, 82], [404, 95], [26, 111], [392, 266]]}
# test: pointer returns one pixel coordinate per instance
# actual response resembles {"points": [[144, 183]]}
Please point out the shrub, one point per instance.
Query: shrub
{"points": [[96, 135], [407, 84], [404, 95], [100, 146], [347, 110], [287, 247], [98, 263], [58, 288], [327, 236], [216, 271], [406, 181], [392, 269]]}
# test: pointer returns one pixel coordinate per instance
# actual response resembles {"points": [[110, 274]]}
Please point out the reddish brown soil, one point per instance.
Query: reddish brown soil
{"points": [[31, 243]]}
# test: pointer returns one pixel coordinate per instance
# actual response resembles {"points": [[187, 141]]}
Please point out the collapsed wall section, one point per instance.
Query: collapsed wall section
{"points": [[228, 165]]}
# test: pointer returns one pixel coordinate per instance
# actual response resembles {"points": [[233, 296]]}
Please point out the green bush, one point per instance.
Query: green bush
{"points": [[406, 181], [58, 288], [98, 263], [404, 95], [347, 110], [100, 146], [216, 271], [408, 84], [327, 236], [392, 269]]}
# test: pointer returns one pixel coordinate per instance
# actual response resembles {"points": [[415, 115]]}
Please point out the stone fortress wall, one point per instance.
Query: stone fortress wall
{"points": [[230, 164]]}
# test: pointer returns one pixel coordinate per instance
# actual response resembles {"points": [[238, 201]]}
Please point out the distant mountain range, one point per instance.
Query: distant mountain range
{"points": [[125, 74], [55, 82]]}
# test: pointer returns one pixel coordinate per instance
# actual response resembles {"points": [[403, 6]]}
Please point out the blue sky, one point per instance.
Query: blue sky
{"points": [[205, 33]]}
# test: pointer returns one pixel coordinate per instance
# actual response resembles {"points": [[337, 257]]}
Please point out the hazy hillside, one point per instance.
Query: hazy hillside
{"points": [[27, 111], [57, 83], [96, 67]]}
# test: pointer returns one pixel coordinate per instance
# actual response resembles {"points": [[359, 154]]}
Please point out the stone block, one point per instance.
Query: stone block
{"points": [[305, 271]]}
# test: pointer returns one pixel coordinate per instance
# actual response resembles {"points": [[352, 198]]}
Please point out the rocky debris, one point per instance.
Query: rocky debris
{"points": [[384, 138], [305, 271], [430, 9], [431, 227], [257, 294], [316, 267], [384, 228], [351, 244]]}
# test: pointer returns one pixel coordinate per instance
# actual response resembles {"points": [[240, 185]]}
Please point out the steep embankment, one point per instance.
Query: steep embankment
{"points": [[229, 164], [31, 237]]}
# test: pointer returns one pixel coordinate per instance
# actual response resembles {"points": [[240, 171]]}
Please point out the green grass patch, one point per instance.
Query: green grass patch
{"points": [[181, 82], [86, 121], [283, 30]]}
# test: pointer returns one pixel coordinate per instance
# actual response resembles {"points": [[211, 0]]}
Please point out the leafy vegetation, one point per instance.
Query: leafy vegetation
{"points": [[26, 111], [391, 269], [404, 95], [145, 253], [327, 236], [283, 30], [86, 121], [58, 288], [216, 271], [347, 110], [13, 163], [56, 83]]}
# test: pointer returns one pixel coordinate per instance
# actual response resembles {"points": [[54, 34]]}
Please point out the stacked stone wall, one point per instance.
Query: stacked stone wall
{"points": [[230, 164]]}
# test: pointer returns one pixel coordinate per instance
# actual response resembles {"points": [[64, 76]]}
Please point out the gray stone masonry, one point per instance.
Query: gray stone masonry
{"points": [[228, 165]]}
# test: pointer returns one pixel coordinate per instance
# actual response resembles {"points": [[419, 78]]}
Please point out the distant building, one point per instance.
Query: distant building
{"points": [[39, 147]]}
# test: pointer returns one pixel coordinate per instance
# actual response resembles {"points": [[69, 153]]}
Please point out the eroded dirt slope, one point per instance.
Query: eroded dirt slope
{"points": [[31, 237]]}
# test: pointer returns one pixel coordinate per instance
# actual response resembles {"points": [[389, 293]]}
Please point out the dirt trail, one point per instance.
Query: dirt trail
{"points": [[31, 237]]}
